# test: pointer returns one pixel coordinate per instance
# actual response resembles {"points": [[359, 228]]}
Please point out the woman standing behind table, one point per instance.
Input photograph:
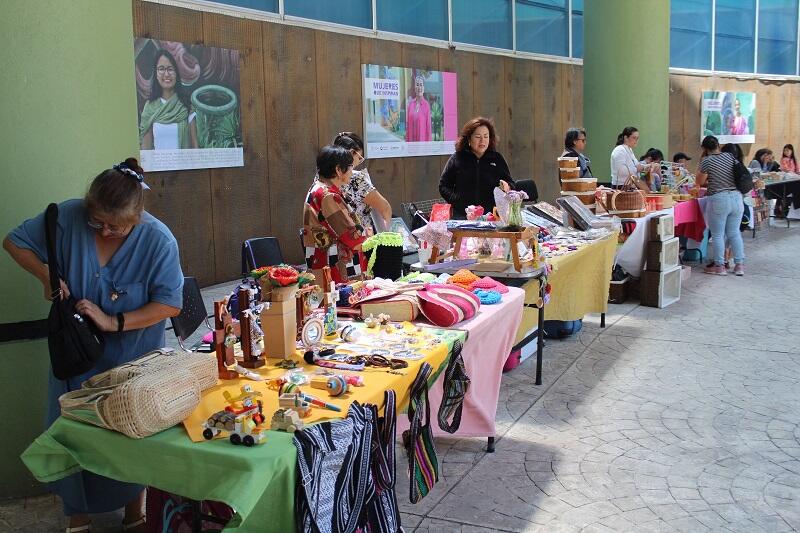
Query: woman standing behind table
{"points": [[475, 169], [788, 161], [574, 146], [166, 123], [331, 234], [122, 266], [418, 114], [724, 207], [623, 162], [360, 193]]}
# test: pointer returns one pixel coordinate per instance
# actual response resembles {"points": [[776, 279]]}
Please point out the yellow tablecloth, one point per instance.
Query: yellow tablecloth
{"points": [[579, 282], [376, 381]]}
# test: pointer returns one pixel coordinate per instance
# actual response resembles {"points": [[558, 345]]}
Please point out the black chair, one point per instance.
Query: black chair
{"points": [[417, 213], [529, 187], [260, 252], [193, 313]]}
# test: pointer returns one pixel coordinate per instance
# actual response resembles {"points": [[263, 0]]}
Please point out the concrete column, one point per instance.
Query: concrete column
{"points": [[69, 111], [625, 76]]}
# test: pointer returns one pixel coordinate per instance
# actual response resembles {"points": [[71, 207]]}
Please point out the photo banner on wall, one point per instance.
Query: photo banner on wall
{"points": [[729, 116], [409, 111], [188, 106]]}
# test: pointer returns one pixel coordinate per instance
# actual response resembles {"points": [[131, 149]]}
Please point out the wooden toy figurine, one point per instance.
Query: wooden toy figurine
{"points": [[250, 359], [224, 329]]}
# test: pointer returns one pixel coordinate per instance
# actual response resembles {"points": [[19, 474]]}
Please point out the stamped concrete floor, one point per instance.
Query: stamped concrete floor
{"points": [[681, 419]]}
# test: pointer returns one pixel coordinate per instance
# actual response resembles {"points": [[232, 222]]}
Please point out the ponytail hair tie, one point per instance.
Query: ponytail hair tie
{"points": [[126, 169]]}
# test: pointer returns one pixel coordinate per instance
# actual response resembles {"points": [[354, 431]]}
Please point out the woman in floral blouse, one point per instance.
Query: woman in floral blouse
{"points": [[331, 233]]}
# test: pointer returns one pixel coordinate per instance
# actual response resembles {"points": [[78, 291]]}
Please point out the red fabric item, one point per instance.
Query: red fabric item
{"points": [[689, 220], [447, 305]]}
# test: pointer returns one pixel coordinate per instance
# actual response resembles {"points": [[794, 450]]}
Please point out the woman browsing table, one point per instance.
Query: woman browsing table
{"points": [[122, 266], [475, 169], [623, 162], [331, 234]]}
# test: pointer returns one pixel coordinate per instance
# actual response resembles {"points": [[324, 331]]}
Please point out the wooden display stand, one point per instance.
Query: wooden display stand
{"points": [[249, 360], [525, 235], [279, 323], [224, 324]]}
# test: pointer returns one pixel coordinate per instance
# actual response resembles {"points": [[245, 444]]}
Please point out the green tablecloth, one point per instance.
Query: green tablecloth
{"points": [[258, 482]]}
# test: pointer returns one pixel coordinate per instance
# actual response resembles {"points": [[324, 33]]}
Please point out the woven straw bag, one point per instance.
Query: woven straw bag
{"points": [[143, 397], [629, 198], [201, 365]]}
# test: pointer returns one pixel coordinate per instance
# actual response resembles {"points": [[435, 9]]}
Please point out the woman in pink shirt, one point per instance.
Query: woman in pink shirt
{"points": [[418, 114], [788, 162]]}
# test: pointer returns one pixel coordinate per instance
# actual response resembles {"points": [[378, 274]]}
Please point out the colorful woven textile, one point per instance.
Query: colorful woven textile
{"points": [[488, 297], [464, 278], [488, 283]]}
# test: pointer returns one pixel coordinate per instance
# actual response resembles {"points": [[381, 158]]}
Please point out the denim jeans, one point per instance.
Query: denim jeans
{"points": [[723, 217]]}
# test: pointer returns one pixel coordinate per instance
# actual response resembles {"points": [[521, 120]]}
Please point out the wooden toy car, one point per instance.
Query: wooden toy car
{"points": [[243, 418], [286, 420]]}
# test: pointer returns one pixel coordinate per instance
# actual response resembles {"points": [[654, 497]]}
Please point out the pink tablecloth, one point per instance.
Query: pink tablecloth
{"points": [[689, 220], [491, 335]]}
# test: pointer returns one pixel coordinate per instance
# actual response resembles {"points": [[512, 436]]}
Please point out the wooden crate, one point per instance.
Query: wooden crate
{"points": [[661, 228], [660, 289], [663, 255]]}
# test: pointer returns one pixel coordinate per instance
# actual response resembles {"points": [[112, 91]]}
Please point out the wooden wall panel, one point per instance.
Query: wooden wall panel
{"points": [[182, 200], [420, 174], [238, 195], [518, 115], [547, 136], [291, 97], [386, 174], [489, 99], [338, 65]]}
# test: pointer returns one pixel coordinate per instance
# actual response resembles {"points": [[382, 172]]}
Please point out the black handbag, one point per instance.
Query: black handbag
{"points": [[74, 341], [742, 177]]}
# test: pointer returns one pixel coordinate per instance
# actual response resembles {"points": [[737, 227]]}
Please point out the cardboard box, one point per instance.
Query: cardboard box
{"points": [[280, 330]]}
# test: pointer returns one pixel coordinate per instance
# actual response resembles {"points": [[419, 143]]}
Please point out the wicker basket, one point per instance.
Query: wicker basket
{"points": [[567, 162], [569, 173], [579, 185], [202, 366], [140, 407], [629, 198], [586, 198]]}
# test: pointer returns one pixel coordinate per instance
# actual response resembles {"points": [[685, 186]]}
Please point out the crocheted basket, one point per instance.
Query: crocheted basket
{"points": [[384, 253]]}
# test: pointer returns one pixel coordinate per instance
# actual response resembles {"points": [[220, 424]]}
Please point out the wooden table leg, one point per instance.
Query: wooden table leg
{"points": [[515, 253], [457, 248]]}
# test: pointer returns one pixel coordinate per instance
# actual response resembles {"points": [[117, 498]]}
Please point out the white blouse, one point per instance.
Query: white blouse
{"points": [[623, 164]]}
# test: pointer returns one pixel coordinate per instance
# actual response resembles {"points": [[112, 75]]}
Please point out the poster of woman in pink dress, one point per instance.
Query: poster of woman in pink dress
{"points": [[418, 113], [739, 122]]}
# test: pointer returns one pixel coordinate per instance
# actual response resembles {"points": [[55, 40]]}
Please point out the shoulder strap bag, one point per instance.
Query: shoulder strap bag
{"points": [[456, 385], [74, 341], [423, 465], [742, 177]]}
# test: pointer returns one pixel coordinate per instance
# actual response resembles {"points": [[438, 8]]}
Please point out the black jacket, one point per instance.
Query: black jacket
{"points": [[467, 180]]}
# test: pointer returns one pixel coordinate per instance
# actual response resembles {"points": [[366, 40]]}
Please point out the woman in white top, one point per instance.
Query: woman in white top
{"points": [[624, 163], [166, 122]]}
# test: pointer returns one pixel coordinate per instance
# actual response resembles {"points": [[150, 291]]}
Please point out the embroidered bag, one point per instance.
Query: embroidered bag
{"points": [[456, 385], [447, 305], [423, 465], [381, 513]]}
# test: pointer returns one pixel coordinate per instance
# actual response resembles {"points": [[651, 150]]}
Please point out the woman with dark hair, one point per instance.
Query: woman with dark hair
{"points": [[788, 161], [574, 146], [121, 264], [623, 162], [724, 207], [653, 157], [166, 123], [475, 169], [331, 234], [360, 193], [735, 150], [764, 161]]}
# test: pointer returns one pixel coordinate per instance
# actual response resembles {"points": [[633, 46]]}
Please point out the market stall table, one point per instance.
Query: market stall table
{"points": [[258, 483], [490, 336], [780, 189]]}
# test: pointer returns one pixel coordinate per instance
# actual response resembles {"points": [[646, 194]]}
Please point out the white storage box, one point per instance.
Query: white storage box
{"points": [[662, 227], [660, 289], [663, 255]]}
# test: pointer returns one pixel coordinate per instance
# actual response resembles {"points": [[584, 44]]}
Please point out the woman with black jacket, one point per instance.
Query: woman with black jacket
{"points": [[475, 169]]}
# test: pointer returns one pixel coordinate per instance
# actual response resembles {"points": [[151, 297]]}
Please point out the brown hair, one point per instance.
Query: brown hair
{"points": [[469, 128], [117, 195]]}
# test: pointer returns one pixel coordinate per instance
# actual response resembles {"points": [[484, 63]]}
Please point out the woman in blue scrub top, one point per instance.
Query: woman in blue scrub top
{"points": [[122, 265]]}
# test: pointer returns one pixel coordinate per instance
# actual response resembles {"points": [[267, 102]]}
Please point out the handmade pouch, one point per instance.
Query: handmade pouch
{"points": [[423, 465], [447, 305], [455, 387]]}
